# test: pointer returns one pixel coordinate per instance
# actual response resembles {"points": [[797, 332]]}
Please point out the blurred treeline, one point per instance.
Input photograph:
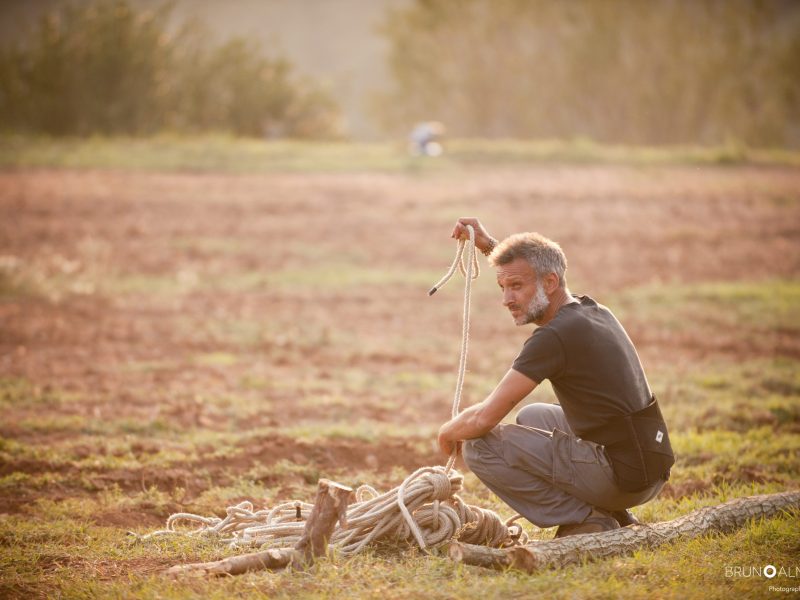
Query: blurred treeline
{"points": [[110, 68], [626, 71]]}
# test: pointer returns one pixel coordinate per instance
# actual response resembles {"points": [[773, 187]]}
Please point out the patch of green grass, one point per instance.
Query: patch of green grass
{"points": [[391, 384], [586, 151], [78, 425], [755, 455], [285, 339], [15, 480], [238, 155], [754, 306], [206, 153], [333, 275], [213, 245], [152, 285], [16, 392], [732, 396], [14, 285], [62, 551], [325, 277], [219, 497], [368, 431], [75, 559], [216, 359], [281, 471], [146, 366], [87, 449]]}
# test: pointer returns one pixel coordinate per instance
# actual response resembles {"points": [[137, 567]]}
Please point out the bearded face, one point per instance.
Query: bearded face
{"points": [[536, 309], [523, 292]]}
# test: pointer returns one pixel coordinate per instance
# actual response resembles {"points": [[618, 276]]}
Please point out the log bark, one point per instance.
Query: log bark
{"points": [[330, 506], [532, 557], [479, 556], [236, 565]]}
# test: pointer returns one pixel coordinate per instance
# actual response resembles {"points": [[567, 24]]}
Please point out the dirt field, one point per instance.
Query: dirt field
{"points": [[181, 341]]}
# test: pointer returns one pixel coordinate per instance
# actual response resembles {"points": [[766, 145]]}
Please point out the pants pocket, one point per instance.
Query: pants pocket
{"points": [[572, 455], [563, 472], [584, 451]]}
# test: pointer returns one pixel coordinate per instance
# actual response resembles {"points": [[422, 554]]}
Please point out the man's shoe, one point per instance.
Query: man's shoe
{"points": [[596, 522], [625, 518]]}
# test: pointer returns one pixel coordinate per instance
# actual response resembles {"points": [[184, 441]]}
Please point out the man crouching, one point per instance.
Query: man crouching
{"points": [[604, 448]]}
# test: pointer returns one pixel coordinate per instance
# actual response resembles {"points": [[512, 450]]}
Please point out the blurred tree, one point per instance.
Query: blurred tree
{"points": [[664, 71], [109, 68]]}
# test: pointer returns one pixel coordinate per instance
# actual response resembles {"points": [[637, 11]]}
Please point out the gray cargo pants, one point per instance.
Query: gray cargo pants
{"points": [[540, 469]]}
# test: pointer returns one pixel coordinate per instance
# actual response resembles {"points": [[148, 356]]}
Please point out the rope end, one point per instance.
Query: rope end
{"points": [[432, 291]]}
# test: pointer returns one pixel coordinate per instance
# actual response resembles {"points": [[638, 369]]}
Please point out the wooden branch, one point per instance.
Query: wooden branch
{"points": [[479, 556], [561, 552], [330, 505], [236, 565]]}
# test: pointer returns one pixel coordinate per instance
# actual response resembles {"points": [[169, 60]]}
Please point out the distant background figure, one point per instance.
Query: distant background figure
{"points": [[424, 139]]}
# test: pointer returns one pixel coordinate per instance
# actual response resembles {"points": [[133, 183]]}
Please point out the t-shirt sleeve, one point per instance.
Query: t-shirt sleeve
{"points": [[542, 356]]}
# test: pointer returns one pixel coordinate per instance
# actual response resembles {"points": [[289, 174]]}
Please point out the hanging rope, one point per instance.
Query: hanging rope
{"points": [[424, 508], [471, 270]]}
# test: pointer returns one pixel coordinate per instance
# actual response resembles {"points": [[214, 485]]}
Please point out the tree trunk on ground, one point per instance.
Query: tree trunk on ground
{"points": [[574, 549], [276, 558], [330, 506]]}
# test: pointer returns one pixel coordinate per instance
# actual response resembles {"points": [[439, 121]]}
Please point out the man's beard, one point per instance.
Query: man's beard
{"points": [[536, 308]]}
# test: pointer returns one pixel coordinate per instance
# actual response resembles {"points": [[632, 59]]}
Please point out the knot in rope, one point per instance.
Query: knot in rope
{"points": [[440, 483]]}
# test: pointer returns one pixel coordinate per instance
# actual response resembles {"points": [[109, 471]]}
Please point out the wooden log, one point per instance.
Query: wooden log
{"points": [[561, 552], [479, 556], [330, 506], [276, 558]]}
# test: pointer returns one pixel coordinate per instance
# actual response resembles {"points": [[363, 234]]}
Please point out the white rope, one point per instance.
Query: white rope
{"points": [[434, 513], [425, 507], [470, 271]]}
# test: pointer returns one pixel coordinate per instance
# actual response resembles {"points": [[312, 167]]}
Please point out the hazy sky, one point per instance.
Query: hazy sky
{"points": [[335, 41]]}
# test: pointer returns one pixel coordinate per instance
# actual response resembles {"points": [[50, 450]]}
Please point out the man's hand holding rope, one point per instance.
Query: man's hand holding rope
{"points": [[483, 241]]}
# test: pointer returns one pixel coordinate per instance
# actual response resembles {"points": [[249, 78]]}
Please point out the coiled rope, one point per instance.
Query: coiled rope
{"points": [[424, 508]]}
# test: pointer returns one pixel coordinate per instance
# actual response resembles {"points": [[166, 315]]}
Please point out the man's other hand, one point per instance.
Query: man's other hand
{"points": [[446, 445]]}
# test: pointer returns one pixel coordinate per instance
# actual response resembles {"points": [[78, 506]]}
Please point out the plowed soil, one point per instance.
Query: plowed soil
{"points": [[302, 299]]}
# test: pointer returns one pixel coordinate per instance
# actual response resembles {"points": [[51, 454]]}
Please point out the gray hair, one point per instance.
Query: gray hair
{"points": [[542, 254]]}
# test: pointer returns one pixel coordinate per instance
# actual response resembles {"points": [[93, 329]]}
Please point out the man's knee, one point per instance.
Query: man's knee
{"points": [[471, 453], [538, 415]]}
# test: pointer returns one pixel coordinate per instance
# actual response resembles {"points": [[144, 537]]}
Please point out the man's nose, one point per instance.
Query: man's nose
{"points": [[508, 298]]}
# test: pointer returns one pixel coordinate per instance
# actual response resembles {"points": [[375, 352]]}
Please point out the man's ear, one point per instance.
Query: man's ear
{"points": [[550, 283]]}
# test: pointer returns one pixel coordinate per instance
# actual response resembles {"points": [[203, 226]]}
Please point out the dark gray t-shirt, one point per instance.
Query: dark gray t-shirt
{"points": [[591, 363]]}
